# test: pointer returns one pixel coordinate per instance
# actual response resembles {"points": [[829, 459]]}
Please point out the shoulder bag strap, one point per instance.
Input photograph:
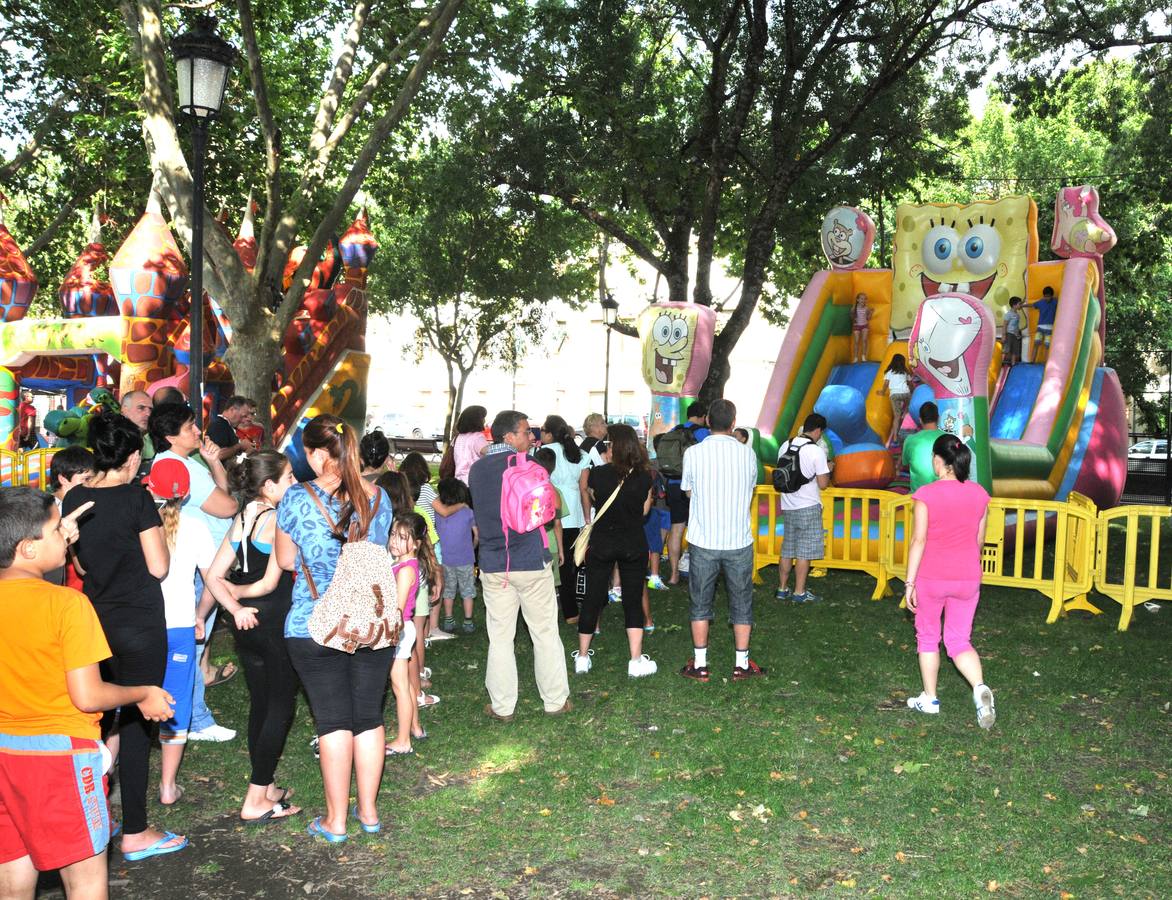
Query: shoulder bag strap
{"points": [[300, 557], [609, 501]]}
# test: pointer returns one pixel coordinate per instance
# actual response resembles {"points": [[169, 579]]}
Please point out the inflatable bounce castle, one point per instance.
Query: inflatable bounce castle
{"points": [[1052, 424], [124, 326]]}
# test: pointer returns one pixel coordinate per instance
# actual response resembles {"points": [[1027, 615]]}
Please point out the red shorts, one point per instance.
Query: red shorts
{"points": [[52, 800]]}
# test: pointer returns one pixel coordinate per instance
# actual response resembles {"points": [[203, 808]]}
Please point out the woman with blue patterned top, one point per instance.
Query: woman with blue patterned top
{"points": [[346, 691]]}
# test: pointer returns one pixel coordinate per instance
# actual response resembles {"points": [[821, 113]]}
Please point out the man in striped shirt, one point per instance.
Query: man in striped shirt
{"points": [[719, 477]]}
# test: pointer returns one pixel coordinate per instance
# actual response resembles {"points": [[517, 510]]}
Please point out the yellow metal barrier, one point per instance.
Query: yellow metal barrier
{"points": [[1137, 585], [34, 467], [853, 522], [1014, 553], [869, 531], [18, 468], [10, 463]]}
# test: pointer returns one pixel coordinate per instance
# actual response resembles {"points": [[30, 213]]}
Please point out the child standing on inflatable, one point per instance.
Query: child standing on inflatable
{"points": [[944, 574], [897, 386], [1047, 309], [860, 325], [1015, 327]]}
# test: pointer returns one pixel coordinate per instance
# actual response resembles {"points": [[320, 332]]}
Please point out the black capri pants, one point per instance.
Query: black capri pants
{"points": [[140, 657], [600, 561], [346, 690]]}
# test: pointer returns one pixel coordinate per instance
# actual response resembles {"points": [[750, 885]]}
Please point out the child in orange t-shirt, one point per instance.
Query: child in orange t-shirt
{"points": [[53, 810]]}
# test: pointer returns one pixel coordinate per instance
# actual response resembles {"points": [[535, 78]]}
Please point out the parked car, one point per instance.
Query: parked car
{"points": [[1149, 448], [639, 423]]}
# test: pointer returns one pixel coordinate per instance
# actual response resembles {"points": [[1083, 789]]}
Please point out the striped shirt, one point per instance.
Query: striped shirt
{"points": [[721, 474]]}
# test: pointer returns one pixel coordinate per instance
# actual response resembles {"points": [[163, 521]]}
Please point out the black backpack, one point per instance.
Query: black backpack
{"points": [[669, 452], [787, 474]]}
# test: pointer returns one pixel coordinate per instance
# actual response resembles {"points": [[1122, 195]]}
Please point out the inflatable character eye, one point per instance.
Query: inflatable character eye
{"points": [[661, 331], [981, 249], [679, 331], [940, 246]]}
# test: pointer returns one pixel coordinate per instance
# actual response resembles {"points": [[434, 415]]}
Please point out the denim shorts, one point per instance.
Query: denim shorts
{"points": [[706, 566]]}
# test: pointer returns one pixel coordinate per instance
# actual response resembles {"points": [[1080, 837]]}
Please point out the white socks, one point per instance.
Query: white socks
{"points": [[742, 659], [701, 657]]}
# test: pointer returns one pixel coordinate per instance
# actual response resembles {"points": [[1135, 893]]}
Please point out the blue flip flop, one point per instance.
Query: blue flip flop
{"points": [[156, 849], [369, 829], [315, 830]]}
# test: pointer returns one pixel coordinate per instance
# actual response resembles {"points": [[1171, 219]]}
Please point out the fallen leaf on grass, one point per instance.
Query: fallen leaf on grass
{"points": [[1065, 895], [901, 856], [910, 767], [846, 883], [736, 815], [545, 812], [992, 887], [1138, 811], [531, 870]]}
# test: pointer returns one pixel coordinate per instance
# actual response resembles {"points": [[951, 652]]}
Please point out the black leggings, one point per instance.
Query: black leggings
{"points": [[632, 563], [140, 657], [568, 573], [346, 690], [272, 689]]}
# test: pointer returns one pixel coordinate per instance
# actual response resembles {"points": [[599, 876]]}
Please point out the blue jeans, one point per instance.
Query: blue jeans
{"points": [[706, 566], [201, 716]]}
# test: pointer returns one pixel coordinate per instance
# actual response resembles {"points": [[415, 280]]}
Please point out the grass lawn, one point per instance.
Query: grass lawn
{"points": [[814, 778]]}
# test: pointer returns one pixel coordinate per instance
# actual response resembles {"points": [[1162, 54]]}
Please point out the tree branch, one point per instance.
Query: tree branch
{"points": [[366, 157], [32, 146], [272, 137], [45, 237], [378, 74], [614, 229]]}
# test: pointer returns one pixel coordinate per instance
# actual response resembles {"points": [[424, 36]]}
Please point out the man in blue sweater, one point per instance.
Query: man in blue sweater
{"points": [[522, 581]]}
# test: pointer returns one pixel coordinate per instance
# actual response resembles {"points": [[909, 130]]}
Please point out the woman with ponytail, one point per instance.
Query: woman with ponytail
{"points": [[257, 594], [567, 471], [346, 691], [944, 574]]}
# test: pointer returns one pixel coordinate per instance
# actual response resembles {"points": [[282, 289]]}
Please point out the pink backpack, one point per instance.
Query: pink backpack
{"points": [[528, 500]]}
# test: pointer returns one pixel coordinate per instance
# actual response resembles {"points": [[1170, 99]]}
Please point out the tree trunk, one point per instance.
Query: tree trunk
{"points": [[453, 400], [253, 356]]}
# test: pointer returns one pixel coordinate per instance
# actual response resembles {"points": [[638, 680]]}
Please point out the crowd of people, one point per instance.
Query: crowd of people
{"points": [[166, 524]]}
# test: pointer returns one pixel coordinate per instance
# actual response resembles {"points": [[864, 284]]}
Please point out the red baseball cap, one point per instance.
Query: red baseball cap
{"points": [[168, 479]]}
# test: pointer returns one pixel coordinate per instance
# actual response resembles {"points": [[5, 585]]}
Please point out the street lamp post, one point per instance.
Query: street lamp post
{"points": [[610, 314], [202, 62]]}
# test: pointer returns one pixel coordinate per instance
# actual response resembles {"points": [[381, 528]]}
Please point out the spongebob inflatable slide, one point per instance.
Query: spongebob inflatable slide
{"points": [[1052, 424]]}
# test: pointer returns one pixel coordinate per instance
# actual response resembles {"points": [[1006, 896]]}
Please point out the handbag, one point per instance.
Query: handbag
{"points": [[582, 541], [360, 608]]}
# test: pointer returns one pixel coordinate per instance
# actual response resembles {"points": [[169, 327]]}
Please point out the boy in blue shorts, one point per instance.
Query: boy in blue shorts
{"points": [[53, 810]]}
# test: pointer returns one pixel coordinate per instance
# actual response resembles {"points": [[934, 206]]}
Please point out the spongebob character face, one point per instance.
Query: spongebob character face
{"points": [[677, 346], [950, 343], [982, 249]]}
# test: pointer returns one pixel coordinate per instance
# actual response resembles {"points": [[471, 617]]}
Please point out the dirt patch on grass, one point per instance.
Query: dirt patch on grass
{"points": [[225, 862]]}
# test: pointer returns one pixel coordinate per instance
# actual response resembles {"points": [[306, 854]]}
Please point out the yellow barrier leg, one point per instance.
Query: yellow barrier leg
{"points": [[1080, 602]]}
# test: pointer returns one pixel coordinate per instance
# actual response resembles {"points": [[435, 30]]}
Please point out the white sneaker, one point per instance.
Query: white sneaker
{"points": [[986, 711], [923, 704], [582, 664], [641, 667], [215, 733], [438, 634], [685, 563], [615, 595]]}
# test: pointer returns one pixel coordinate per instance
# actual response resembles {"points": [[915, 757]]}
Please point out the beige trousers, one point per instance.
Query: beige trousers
{"points": [[533, 594]]}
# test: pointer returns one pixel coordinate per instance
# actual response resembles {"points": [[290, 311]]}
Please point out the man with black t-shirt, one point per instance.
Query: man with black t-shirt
{"points": [[222, 428]]}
